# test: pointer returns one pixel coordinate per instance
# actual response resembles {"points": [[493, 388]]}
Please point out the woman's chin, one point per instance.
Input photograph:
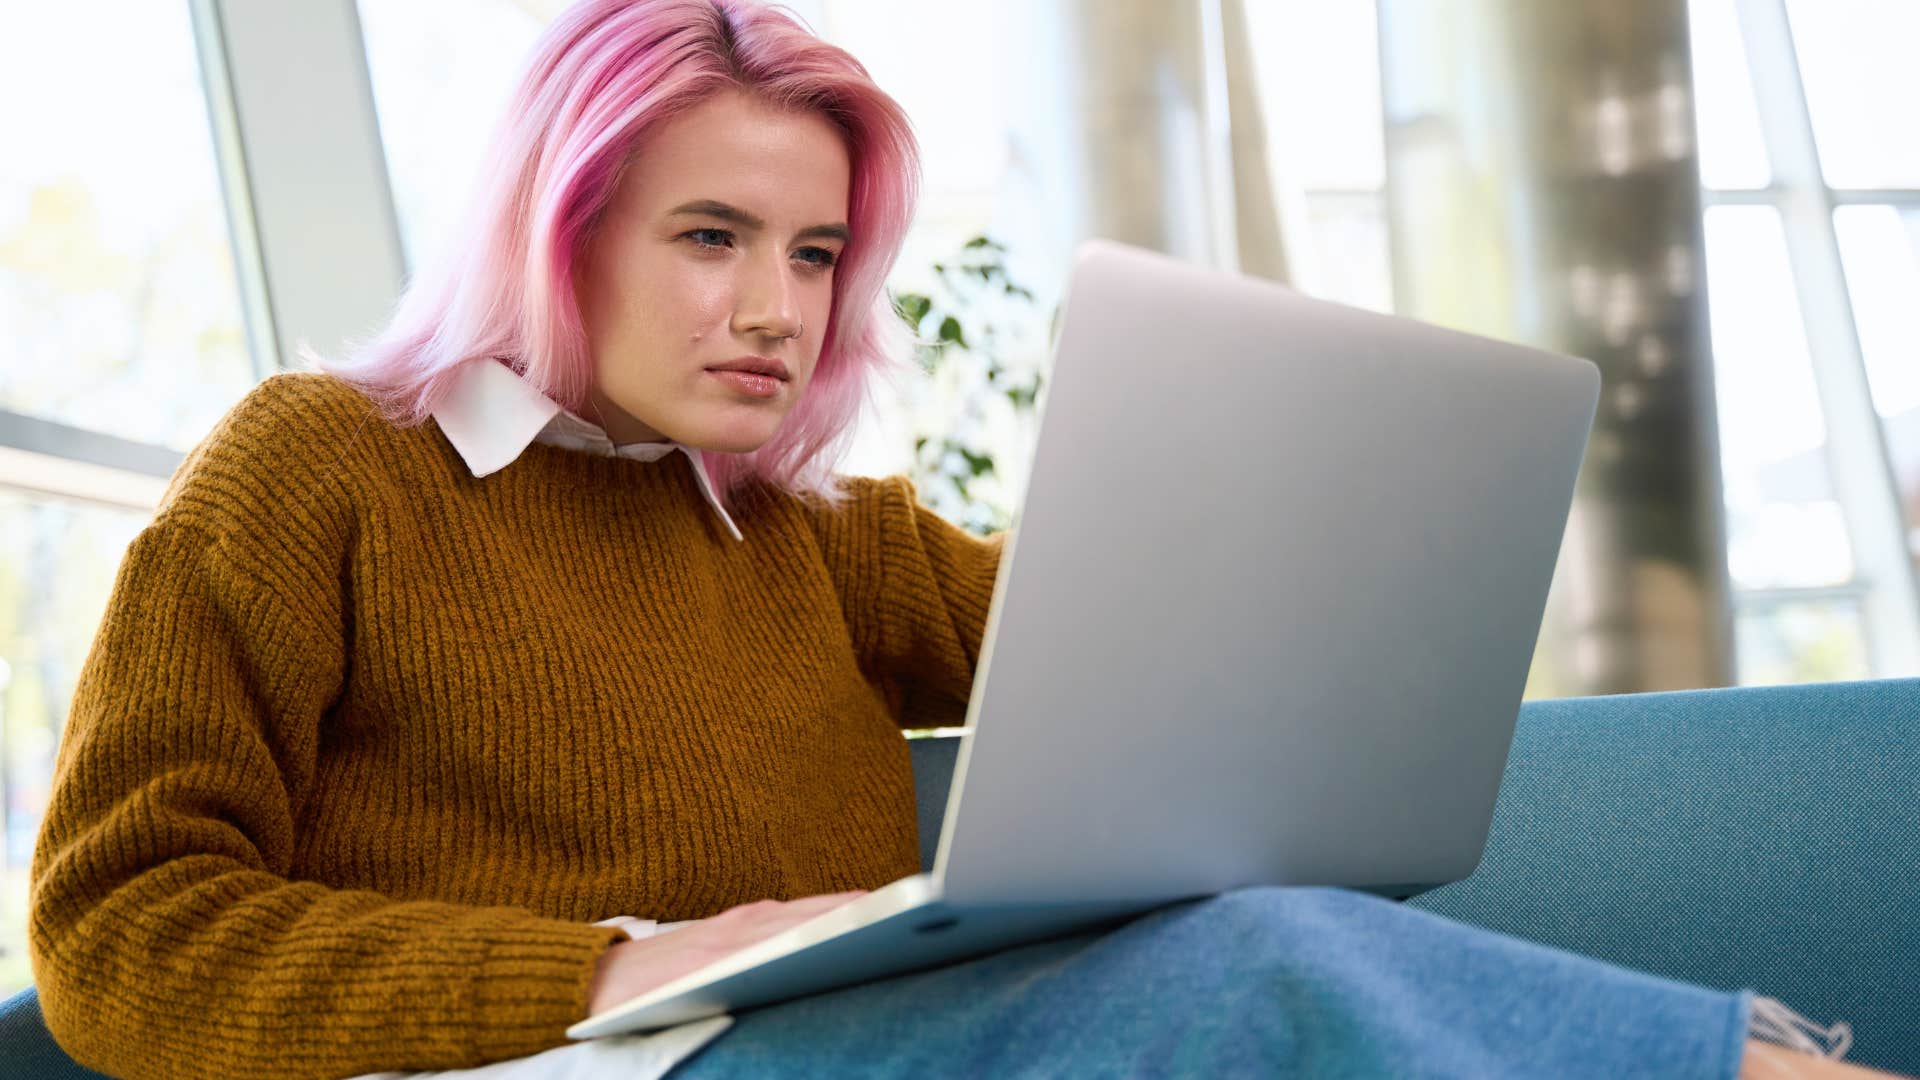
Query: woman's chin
{"points": [[736, 435]]}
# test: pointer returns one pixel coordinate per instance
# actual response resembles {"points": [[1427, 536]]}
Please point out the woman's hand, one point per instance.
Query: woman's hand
{"points": [[631, 968]]}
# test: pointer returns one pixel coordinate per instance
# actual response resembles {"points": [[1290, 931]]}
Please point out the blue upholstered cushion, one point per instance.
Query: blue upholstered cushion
{"points": [[1757, 837], [933, 761], [27, 1049]]}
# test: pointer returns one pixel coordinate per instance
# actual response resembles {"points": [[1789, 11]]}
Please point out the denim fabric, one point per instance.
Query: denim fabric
{"points": [[1256, 982]]}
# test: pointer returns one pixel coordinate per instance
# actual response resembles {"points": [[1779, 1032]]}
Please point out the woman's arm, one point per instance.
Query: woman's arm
{"points": [[167, 933], [166, 936], [916, 589], [632, 968]]}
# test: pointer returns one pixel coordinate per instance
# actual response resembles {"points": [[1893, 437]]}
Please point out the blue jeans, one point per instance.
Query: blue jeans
{"points": [[1255, 982]]}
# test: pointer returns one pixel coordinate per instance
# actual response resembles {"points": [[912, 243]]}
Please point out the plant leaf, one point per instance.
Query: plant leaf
{"points": [[912, 307]]}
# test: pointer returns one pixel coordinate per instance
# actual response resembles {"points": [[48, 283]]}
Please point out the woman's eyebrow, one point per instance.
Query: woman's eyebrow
{"points": [[715, 208]]}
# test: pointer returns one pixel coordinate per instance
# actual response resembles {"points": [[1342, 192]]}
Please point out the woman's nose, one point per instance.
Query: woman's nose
{"points": [[769, 299]]}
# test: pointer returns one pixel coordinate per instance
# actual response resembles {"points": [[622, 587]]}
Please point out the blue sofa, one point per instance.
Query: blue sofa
{"points": [[1764, 838]]}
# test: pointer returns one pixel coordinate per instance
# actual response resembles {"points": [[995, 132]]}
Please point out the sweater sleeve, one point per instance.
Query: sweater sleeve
{"points": [[166, 936], [916, 589]]}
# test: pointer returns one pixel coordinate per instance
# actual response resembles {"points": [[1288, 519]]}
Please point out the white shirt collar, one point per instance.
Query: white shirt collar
{"points": [[491, 415]]}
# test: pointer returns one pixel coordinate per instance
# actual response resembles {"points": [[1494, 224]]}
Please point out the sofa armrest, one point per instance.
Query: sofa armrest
{"points": [[27, 1048], [1764, 838], [934, 757]]}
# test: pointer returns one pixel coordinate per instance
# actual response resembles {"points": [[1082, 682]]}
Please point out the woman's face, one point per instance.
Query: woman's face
{"points": [[718, 245]]}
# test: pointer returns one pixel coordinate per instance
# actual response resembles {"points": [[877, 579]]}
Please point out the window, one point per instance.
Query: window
{"points": [[1856, 58], [1880, 249], [1732, 154], [116, 279], [1811, 268], [441, 72], [57, 563], [1328, 159], [1785, 528], [124, 343]]}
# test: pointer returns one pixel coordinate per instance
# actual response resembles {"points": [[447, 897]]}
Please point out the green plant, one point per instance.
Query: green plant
{"points": [[976, 340]]}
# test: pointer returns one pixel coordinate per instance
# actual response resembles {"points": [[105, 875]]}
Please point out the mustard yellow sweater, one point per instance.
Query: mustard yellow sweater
{"points": [[364, 743]]}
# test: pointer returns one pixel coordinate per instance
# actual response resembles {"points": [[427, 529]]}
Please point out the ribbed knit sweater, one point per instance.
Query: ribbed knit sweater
{"points": [[365, 743]]}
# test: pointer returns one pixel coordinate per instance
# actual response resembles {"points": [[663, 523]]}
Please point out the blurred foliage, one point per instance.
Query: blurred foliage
{"points": [[135, 331], [57, 563], [121, 316], [975, 342]]}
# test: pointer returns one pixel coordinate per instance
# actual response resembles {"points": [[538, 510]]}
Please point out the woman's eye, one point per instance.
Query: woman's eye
{"points": [[718, 239], [826, 258]]}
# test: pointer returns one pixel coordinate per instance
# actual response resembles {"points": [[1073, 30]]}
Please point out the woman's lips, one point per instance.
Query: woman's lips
{"points": [[748, 383]]}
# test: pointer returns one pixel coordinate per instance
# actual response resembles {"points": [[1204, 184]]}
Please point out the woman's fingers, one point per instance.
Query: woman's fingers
{"points": [[634, 967], [766, 917], [830, 900]]}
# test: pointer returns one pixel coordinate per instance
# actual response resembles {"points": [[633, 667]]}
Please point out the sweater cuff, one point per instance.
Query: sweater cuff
{"points": [[531, 984]]}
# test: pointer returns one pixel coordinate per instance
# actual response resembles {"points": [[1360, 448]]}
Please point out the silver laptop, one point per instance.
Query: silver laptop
{"points": [[1265, 618]]}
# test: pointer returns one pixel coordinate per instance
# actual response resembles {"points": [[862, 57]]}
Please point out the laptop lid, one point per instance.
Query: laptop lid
{"points": [[1268, 610]]}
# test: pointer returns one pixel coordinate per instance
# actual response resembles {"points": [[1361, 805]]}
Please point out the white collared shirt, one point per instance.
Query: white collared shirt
{"points": [[491, 415]]}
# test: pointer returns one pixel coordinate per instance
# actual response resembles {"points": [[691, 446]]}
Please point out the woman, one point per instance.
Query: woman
{"points": [[438, 677]]}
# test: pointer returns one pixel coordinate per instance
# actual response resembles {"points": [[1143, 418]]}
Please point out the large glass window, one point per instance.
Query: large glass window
{"points": [[1880, 247], [57, 563], [1797, 611], [1856, 58], [1318, 69], [1732, 154], [121, 318], [1805, 553], [441, 72], [117, 286], [1783, 641], [1785, 528]]}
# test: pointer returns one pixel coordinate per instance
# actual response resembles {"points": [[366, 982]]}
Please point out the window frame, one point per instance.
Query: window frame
{"points": [[311, 223], [1864, 482]]}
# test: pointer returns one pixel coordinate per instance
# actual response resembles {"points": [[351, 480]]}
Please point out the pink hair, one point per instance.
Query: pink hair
{"points": [[601, 77]]}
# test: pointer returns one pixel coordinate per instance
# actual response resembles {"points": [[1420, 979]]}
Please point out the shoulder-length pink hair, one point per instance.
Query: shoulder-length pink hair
{"points": [[601, 77]]}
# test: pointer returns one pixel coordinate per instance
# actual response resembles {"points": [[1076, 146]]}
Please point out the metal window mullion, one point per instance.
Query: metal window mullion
{"points": [[1347, 200], [52, 438], [1901, 197], [1775, 596], [1862, 472], [316, 236], [48, 457], [1217, 120], [1766, 196], [230, 164]]}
